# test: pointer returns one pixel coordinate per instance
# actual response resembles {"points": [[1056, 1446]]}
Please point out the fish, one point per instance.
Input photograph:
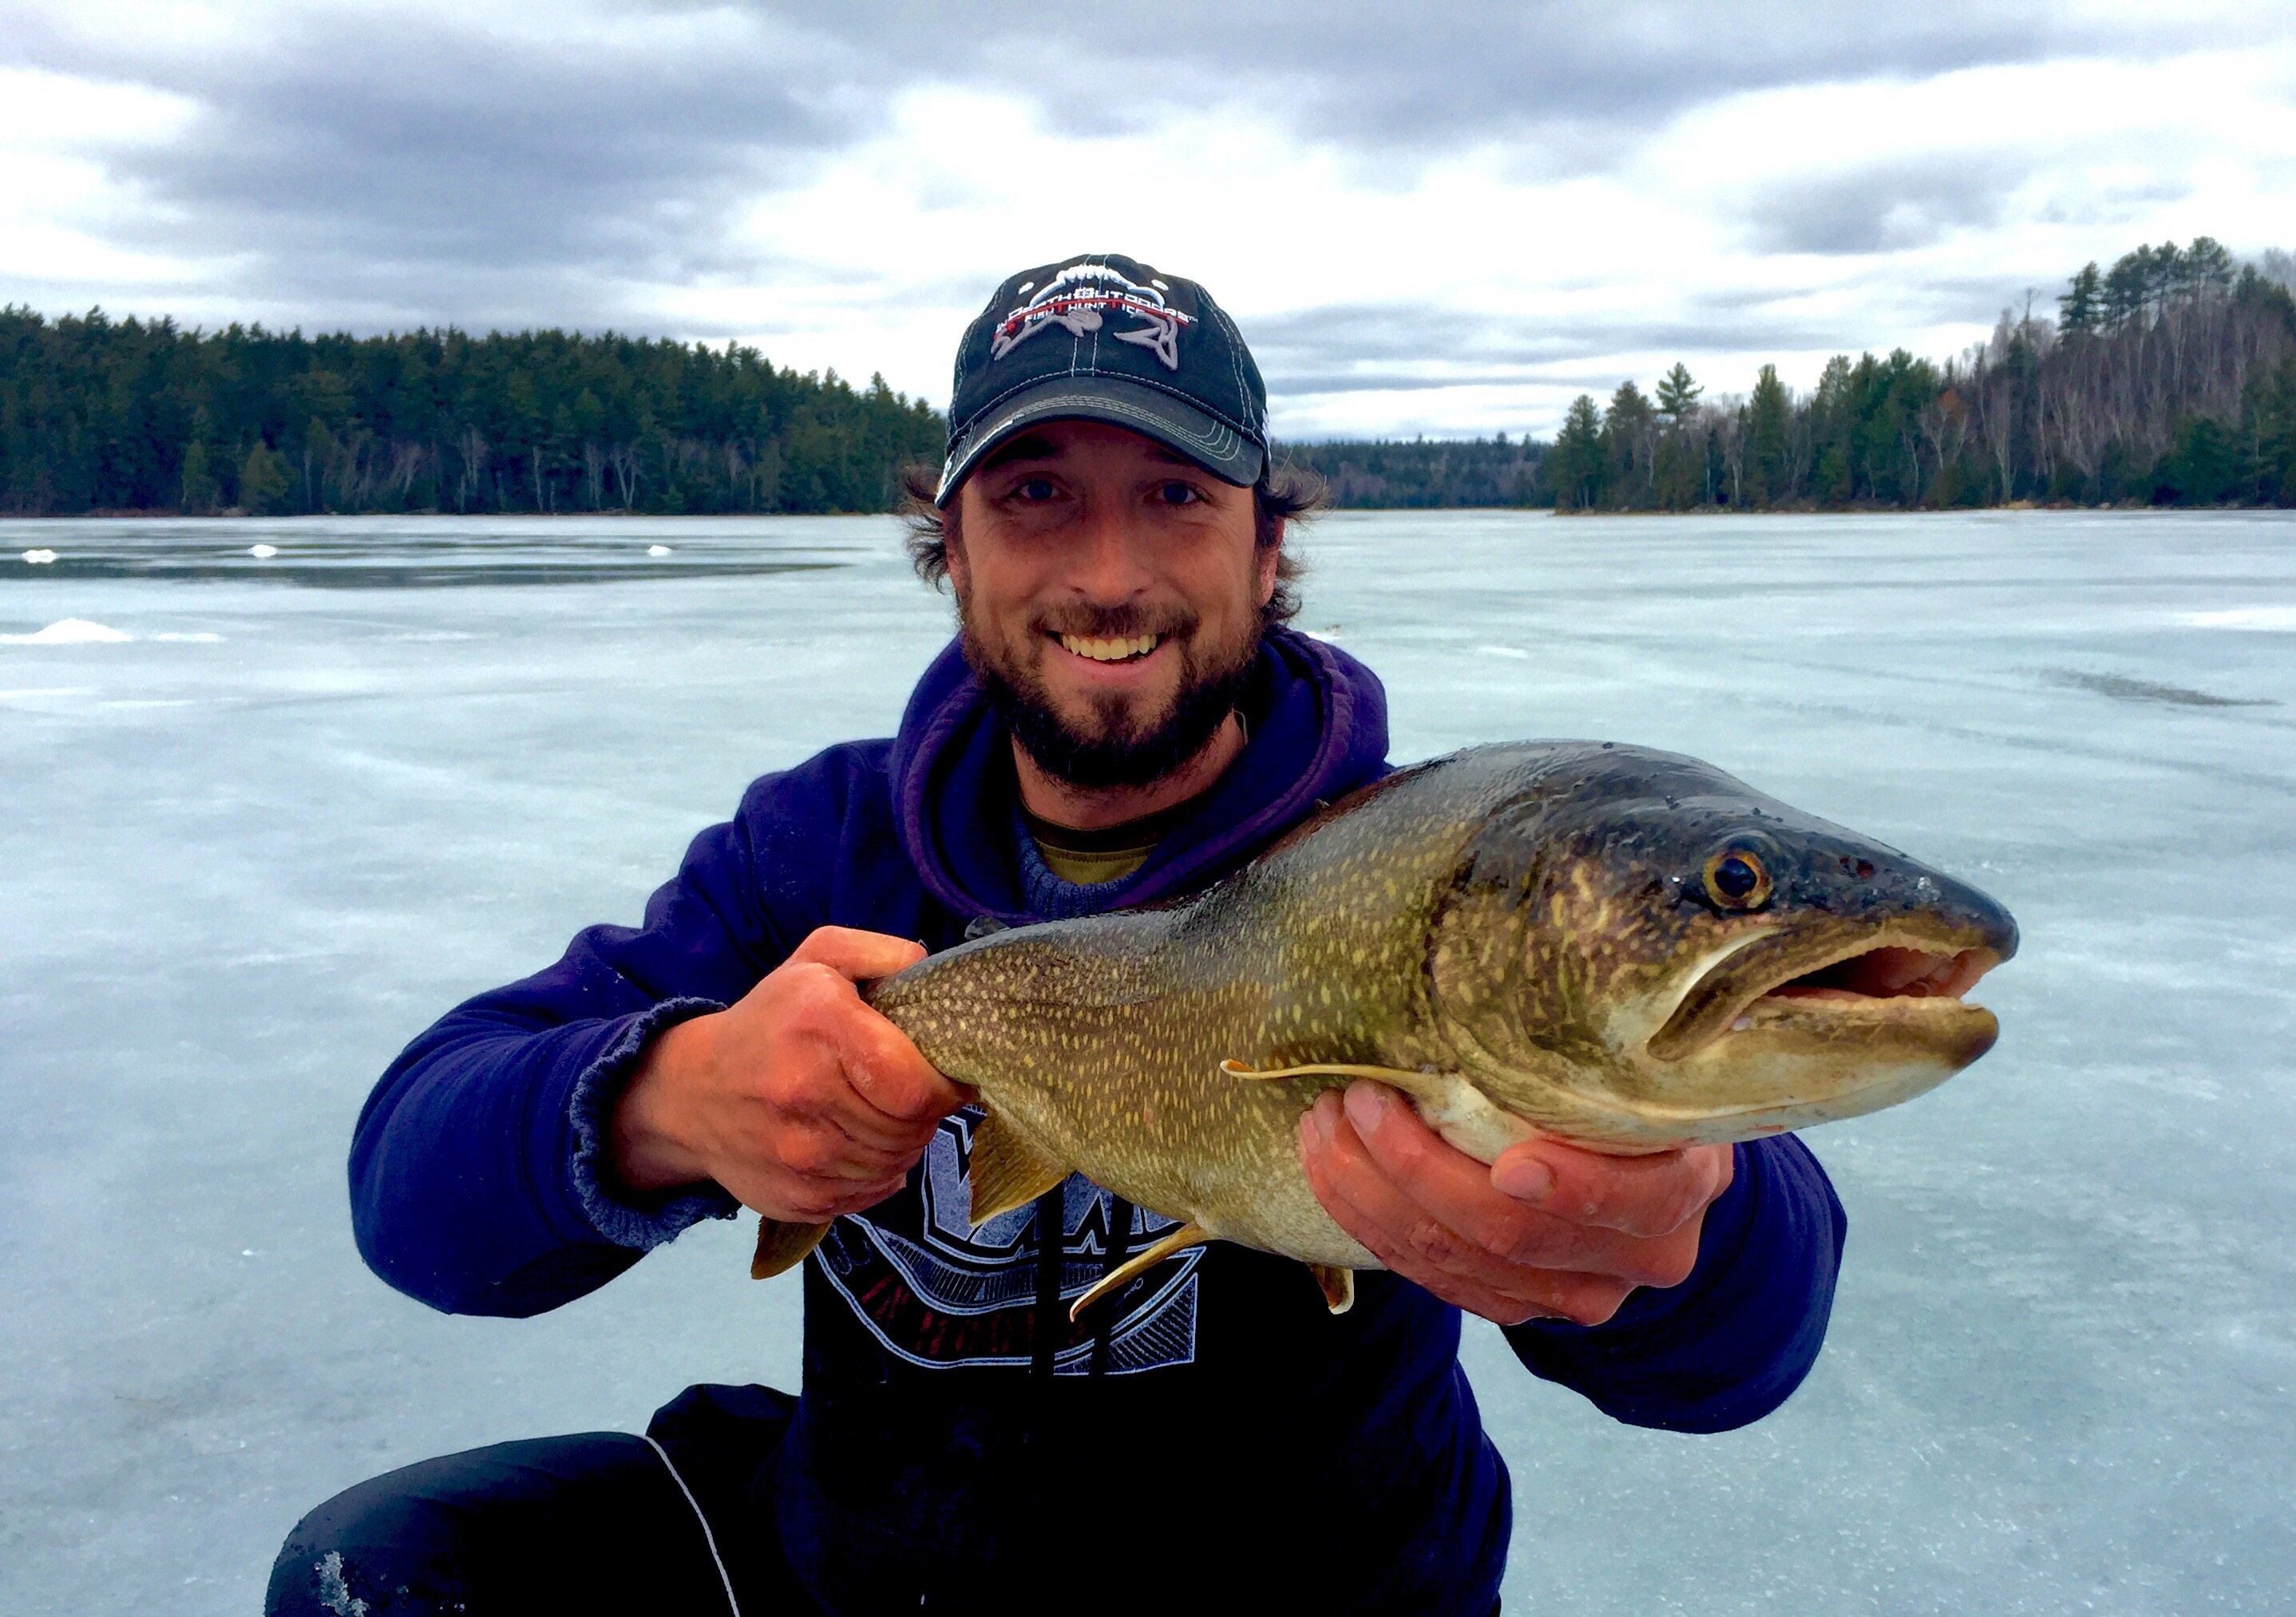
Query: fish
{"points": [[1622, 948]]}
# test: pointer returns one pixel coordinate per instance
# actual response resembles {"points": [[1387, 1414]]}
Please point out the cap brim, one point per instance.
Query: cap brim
{"points": [[1179, 426]]}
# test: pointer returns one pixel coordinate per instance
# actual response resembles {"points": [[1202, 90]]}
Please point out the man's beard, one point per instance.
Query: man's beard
{"points": [[1120, 750]]}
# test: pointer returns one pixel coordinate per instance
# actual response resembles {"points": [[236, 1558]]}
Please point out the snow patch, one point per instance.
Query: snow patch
{"points": [[39, 558], [657, 550], [262, 552], [1508, 651], [334, 1589], [68, 632], [199, 638], [2242, 617]]}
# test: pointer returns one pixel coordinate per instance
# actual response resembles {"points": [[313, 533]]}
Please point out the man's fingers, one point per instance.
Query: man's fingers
{"points": [[1457, 1191], [879, 1063], [857, 955], [823, 1148], [880, 1144], [1637, 1195], [887, 1070], [1340, 1171], [1404, 1233], [797, 1201]]}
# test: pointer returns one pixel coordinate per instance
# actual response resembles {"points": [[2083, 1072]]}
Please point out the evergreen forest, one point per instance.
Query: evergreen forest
{"points": [[2168, 380], [1419, 473], [129, 415]]}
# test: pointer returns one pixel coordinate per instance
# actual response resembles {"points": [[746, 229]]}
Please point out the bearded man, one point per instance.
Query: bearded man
{"points": [[1123, 719]]}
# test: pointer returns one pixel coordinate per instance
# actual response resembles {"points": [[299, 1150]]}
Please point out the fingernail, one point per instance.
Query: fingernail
{"points": [[1366, 1107], [1314, 1126], [1525, 1177]]}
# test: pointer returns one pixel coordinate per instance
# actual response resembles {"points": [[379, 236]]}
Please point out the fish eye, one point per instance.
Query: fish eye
{"points": [[1735, 879]]}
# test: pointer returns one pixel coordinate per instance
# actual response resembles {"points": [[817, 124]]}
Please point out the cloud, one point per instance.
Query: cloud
{"points": [[1882, 207], [1455, 214], [374, 157]]}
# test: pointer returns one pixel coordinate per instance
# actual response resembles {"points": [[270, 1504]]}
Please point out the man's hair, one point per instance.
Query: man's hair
{"points": [[1284, 493]]}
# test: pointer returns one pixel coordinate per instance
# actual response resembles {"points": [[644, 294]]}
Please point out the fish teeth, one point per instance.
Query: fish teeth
{"points": [[1103, 649]]}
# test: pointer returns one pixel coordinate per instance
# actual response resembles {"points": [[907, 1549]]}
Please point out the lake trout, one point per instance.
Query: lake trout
{"points": [[1625, 948]]}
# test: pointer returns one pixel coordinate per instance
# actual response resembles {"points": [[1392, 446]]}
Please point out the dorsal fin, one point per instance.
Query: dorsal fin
{"points": [[1008, 1170]]}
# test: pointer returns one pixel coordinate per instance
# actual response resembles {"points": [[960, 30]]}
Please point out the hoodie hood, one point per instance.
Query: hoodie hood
{"points": [[1318, 729]]}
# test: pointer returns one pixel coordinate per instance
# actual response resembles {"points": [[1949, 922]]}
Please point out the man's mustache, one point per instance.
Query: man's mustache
{"points": [[1118, 623]]}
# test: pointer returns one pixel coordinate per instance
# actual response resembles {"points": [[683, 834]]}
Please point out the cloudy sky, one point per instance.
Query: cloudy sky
{"points": [[1440, 217]]}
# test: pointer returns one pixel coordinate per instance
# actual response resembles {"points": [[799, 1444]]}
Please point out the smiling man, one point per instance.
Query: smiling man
{"points": [[1123, 719]]}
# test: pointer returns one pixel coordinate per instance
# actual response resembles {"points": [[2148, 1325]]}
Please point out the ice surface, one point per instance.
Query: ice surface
{"points": [[68, 632], [236, 874]]}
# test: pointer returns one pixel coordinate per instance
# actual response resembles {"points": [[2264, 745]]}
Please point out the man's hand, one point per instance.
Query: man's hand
{"points": [[800, 1100], [1547, 1231]]}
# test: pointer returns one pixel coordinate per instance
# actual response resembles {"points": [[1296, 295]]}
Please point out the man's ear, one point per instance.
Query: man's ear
{"points": [[1266, 558], [952, 535]]}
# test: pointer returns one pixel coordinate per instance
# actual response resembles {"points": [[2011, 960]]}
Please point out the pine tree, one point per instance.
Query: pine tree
{"points": [[199, 481], [1767, 425], [1577, 457], [2081, 303], [264, 479], [2127, 287], [1629, 444], [2207, 266], [1677, 394]]}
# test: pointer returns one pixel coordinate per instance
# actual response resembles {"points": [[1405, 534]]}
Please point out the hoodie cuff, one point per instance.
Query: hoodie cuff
{"points": [[1732, 1342], [622, 1216]]}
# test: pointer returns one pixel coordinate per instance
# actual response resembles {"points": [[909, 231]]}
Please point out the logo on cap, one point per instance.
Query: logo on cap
{"points": [[1081, 299]]}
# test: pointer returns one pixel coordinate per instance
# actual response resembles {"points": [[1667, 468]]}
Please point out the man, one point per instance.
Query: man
{"points": [[1124, 719]]}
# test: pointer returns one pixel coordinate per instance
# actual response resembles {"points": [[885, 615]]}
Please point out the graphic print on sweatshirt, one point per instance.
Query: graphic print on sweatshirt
{"points": [[939, 1294]]}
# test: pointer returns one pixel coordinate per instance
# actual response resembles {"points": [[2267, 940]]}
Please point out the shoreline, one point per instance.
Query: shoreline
{"points": [[163, 514]]}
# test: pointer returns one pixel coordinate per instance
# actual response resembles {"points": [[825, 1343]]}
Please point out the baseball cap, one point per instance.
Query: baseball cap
{"points": [[1103, 337]]}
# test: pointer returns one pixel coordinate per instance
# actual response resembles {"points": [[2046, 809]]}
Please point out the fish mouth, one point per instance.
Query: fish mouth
{"points": [[1913, 978]]}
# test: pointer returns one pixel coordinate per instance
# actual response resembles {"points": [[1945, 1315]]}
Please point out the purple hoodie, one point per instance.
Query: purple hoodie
{"points": [[956, 1434]]}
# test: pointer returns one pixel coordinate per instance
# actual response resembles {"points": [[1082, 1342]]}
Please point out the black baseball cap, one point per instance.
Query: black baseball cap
{"points": [[1104, 338]]}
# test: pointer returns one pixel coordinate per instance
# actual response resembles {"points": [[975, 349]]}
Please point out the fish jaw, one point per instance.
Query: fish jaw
{"points": [[1806, 1026]]}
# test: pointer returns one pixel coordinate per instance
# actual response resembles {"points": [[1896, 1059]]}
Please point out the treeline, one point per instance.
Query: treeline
{"points": [[2169, 378], [1419, 473], [98, 414]]}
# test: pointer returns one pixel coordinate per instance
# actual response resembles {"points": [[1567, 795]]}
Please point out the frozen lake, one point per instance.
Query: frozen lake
{"points": [[269, 816]]}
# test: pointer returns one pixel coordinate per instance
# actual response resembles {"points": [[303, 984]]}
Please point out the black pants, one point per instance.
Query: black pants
{"points": [[678, 1522], [600, 1522]]}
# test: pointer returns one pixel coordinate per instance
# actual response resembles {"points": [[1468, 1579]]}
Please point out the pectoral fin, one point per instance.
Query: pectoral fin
{"points": [[1462, 1114], [1423, 1086], [781, 1246], [1339, 1286], [1007, 1171], [1186, 1236]]}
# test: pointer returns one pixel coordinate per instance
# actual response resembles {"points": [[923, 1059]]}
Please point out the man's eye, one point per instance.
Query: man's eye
{"points": [[1034, 489], [1180, 494]]}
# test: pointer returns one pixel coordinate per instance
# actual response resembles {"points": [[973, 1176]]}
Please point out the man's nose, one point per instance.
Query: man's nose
{"points": [[1108, 563]]}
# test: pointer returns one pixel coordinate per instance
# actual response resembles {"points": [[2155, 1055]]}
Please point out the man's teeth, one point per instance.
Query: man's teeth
{"points": [[1109, 650]]}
